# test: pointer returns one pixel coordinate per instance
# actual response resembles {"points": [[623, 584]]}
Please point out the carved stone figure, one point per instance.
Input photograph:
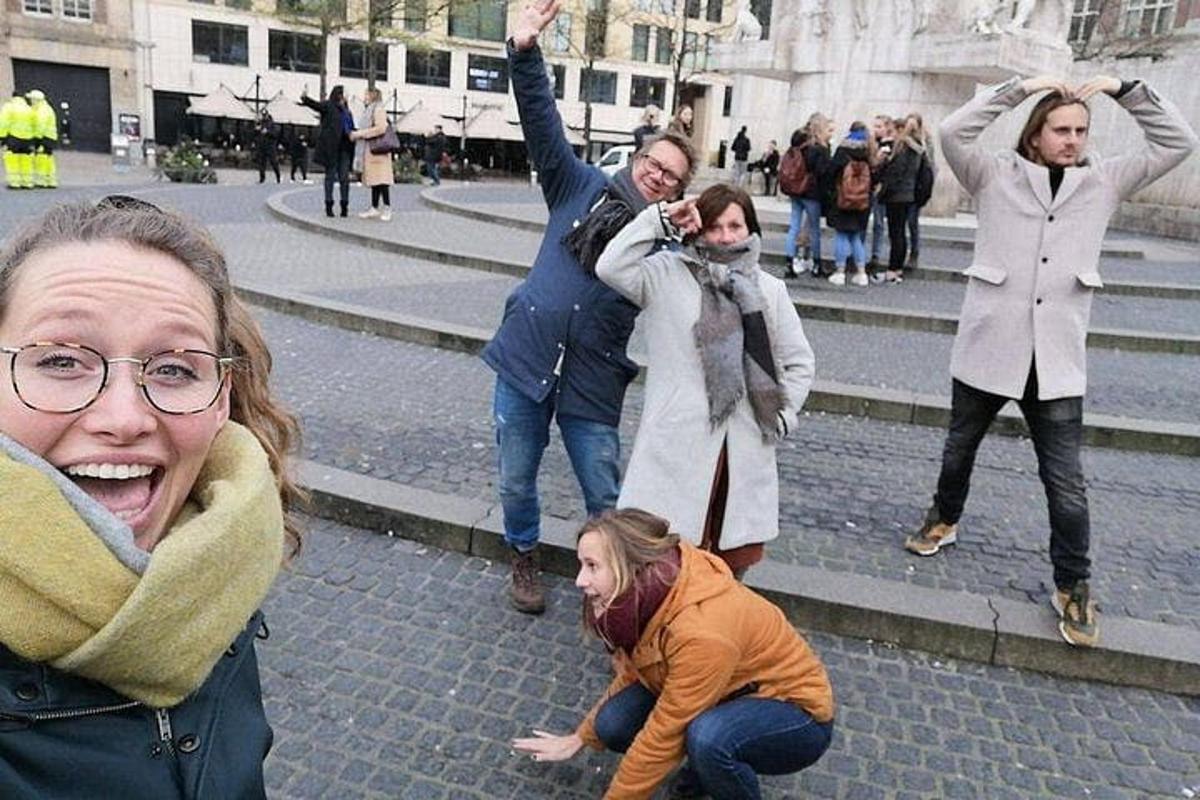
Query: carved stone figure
{"points": [[814, 17], [746, 27]]}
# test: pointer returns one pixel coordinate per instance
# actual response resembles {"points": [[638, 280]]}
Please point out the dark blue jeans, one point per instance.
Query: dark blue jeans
{"points": [[522, 433], [1056, 427], [730, 744], [339, 173]]}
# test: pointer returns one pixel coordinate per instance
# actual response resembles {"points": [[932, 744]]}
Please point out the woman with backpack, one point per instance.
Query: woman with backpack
{"points": [[898, 194], [850, 204], [812, 141], [924, 188]]}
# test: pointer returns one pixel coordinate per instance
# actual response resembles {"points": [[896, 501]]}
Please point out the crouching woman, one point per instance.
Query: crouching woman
{"points": [[705, 668]]}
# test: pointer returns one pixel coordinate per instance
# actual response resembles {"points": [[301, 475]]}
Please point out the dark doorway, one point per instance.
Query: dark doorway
{"points": [[170, 117], [85, 88]]}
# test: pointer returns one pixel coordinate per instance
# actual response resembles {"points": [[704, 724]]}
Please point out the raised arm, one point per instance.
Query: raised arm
{"points": [[315, 105], [960, 131], [541, 124], [1169, 138]]}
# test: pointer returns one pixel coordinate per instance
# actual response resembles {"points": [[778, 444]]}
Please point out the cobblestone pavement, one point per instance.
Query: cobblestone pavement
{"points": [[851, 487], [397, 671]]}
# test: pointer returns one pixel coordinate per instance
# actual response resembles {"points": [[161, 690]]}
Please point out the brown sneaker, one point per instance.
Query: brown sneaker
{"points": [[1077, 615], [526, 591], [933, 536]]}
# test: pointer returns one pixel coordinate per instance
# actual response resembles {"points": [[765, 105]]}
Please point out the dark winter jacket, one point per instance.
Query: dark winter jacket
{"points": [[816, 158], [740, 147], [564, 332], [898, 175], [210, 747], [839, 220], [641, 132], [331, 137], [434, 147]]}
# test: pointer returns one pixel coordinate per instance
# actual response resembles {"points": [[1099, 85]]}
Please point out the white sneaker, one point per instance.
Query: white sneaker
{"points": [[859, 278], [370, 213], [386, 216], [838, 278]]}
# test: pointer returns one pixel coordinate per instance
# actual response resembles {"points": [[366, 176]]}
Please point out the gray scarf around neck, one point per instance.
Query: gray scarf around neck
{"points": [[731, 334], [615, 208]]}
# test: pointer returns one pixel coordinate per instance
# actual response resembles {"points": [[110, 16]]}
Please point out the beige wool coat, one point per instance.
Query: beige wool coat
{"points": [[675, 453], [377, 169], [1036, 263]]}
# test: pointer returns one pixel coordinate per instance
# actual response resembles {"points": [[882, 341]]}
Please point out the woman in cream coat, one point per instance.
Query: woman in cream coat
{"points": [[377, 167], [714, 323]]}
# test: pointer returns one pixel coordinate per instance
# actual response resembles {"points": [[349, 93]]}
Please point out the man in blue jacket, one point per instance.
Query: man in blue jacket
{"points": [[560, 350]]}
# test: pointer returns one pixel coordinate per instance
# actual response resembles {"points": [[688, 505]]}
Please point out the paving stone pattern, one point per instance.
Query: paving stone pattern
{"points": [[397, 671], [851, 487]]}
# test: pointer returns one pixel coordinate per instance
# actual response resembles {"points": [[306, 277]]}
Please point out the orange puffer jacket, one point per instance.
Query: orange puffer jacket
{"points": [[711, 637]]}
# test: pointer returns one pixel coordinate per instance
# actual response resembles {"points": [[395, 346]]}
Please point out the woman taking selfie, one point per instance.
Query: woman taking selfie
{"points": [[705, 668], [728, 369], [142, 511]]}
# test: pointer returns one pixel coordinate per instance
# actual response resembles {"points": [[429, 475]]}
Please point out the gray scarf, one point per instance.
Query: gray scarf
{"points": [[731, 334], [614, 209]]}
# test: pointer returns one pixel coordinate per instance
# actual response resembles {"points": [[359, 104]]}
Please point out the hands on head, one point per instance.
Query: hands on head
{"points": [[1100, 83], [685, 216], [533, 19]]}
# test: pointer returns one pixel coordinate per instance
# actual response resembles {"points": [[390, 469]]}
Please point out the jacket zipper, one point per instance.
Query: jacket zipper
{"points": [[73, 713], [164, 729]]}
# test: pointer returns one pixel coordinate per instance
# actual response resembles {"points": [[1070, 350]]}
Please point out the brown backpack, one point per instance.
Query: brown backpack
{"points": [[854, 187], [794, 177]]}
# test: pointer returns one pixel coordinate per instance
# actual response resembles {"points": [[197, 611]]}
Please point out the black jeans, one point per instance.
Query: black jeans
{"points": [[381, 192], [1056, 427], [897, 220], [339, 173], [266, 157]]}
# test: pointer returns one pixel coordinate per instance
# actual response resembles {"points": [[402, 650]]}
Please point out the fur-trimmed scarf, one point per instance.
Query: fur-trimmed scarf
{"points": [[731, 334], [615, 208]]}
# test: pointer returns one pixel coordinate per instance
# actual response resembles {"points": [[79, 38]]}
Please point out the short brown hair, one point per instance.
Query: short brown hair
{"points": [[684, 146], [1037, 120], [715, 199]]}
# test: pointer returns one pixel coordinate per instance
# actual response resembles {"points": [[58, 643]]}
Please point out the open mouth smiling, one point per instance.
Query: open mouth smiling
{"points": [[129, 491]]}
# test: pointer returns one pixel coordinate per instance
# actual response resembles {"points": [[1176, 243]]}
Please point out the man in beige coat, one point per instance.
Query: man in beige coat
{"points": [[1043, 209]]}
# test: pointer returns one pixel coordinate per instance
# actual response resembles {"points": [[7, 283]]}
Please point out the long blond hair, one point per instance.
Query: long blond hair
{"points": [[142, 225], [630, 539]]}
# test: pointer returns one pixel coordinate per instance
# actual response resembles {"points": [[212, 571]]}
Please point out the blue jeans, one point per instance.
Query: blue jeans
{"points": [[800, 207], [878, 226], [522, 433], [847, 245], [339, 173], [1056, 427], [914, 228], [730, 744], [435, 172]]}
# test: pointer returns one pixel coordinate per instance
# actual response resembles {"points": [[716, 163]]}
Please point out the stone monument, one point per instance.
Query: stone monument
{"points": [[852, 59]]}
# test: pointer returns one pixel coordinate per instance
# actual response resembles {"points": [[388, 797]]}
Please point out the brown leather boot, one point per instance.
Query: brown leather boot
{"points": [[526, 592]]}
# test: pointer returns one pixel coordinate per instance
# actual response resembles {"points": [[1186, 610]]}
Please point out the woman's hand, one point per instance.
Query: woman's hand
{"points": [[549, 747], [1043, 83], [684, 215], [1100, 83], [533, 19]]}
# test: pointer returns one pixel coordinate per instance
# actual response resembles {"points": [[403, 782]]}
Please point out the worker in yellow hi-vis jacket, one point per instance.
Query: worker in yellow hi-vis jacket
{"points": [[45, 139], [16, 132]]}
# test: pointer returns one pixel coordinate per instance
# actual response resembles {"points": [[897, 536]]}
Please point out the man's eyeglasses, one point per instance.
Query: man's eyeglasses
{"points": [[63, 377], [668, 177]]}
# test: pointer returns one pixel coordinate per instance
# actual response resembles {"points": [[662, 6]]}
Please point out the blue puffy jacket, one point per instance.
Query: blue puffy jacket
{"points": [[563, 330], [65, 737]]}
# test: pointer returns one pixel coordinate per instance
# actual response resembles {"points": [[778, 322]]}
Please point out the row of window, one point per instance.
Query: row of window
{"points": [[1137, 18], [67, 9]]}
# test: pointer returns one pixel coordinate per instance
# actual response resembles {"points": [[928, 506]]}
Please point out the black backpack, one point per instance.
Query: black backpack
{"points": [[924, 187]]}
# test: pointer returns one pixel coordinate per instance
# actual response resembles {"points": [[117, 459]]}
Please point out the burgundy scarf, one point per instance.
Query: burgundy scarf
{"points": [[622, 623]]}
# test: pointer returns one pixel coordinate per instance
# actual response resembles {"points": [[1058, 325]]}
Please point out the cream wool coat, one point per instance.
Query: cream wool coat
{"points": [[1036, 263], [377, 169], [674, 457]]}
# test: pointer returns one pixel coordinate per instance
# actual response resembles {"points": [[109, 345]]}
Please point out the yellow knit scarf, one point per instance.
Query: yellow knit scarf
{"points": [[66, 600]]}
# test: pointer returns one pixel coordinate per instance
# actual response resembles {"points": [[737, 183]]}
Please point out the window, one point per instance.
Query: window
{"points": [[415, 16], [645, 91], [641, 42], [662, 46], [727, 105], [559, 80], [598, 86], [38, 7], [560, 34], [713, 13], [77, 9], [478, 19], [293, 52], [596, 33], [1084, 15], [693, 57], [692, 9], [487, 73], [214, 43], [427, 67], [1148, 17], [352, 58], [242, 5]]}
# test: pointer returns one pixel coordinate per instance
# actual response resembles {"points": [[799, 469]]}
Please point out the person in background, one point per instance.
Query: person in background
{"points": [[849, 188], [897, 193], [741, 156], [45, 137], [816, 135], [705, 669], [435, 153], [334, 150], [1043, 210], [681, 123], [144, 499], [914, 125], [769, 165], [266, 141], [647, 126], [377, 167], [883, 130], [17, 125], [298, 153]]}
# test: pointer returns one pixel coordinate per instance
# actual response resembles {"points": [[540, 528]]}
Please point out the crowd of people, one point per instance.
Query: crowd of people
{"points": [[144, 477]]}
